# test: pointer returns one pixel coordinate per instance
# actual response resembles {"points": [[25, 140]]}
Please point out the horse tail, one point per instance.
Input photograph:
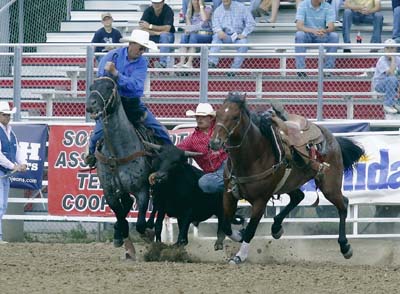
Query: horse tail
{"points": [[351, 153]]}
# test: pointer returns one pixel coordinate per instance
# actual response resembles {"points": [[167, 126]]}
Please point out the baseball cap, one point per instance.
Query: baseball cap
{"points": [[105, 14]]}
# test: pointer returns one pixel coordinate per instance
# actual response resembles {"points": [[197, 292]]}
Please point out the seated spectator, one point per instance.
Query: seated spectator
{"points": [[334, 3], [232, 22], [362, 12], [260, 8], [107, 34], [386, 78], [198, 30], [215, 4], [396, 21], [314, 23], [158, 20]]}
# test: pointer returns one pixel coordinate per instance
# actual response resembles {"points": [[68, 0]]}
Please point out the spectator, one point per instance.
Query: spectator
{"points": [[11, 158], [260, 8], [396, 21], [107, 34], [386, 77], [232, 22], [158, 20], [185, 4], [198, 30], [212, 163], [314, 22], [362, 12], [129, 69]]}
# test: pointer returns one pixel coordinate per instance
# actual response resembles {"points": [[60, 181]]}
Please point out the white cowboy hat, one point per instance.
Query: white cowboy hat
{"points": [[142, 38], [390, 43], [203, 109], [5, 108], [156, 1]]}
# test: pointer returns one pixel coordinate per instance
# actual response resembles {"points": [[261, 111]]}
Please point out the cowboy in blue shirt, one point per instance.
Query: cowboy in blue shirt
{"points": [[129, 68]]}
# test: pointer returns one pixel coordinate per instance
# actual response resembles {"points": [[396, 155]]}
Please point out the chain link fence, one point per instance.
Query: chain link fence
{"points": [[54, 84]]}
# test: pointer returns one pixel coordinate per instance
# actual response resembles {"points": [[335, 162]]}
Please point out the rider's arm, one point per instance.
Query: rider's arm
{"points": [[133, 82], [186, 144]]}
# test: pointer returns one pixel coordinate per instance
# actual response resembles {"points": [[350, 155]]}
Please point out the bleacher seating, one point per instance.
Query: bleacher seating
{"points": [[44, 73]]}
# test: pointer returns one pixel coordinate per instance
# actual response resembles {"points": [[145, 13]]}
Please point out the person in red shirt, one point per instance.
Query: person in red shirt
{"points": [[211, 162]]}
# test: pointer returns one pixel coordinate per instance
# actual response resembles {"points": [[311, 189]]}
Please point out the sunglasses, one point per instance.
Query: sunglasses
{"points": [[5, 114]]}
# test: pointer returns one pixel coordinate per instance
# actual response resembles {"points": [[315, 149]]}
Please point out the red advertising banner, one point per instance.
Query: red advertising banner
{"points": [[72, 190]]}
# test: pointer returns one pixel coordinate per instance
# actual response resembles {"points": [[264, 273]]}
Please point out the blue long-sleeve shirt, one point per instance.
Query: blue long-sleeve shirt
{"points": [[236, 19], [131, 74], [395, 3]]}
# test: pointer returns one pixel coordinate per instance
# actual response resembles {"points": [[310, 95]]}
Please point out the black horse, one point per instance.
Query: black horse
{"points": [[122, 166]]}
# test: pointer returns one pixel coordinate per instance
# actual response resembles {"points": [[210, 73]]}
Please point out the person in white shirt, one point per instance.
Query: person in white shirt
{"points": [[386, 77], [11, 158]]}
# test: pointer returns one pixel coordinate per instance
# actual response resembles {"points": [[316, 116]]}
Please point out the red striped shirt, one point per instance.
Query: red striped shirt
{"points": [[198, 141]]}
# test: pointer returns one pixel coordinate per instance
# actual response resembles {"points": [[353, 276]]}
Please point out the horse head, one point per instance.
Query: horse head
{"points": [[103, 98], [229, 119], [167, 159]]}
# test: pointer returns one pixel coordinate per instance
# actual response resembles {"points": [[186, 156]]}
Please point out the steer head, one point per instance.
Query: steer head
{"points": [[167, 160]]}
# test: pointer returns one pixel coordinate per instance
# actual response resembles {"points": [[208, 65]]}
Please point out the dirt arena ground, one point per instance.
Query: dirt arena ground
{"points": [[282, 266]]}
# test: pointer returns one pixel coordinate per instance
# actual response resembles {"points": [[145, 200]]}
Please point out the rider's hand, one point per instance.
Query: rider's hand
{"points": [[221, 35], [90, 159], [110, 67]]}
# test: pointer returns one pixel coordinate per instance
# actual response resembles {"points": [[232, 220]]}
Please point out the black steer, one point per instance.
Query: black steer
{"points": [[176, 193]]}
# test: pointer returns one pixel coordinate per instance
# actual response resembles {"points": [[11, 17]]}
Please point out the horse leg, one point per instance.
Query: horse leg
{"points": [[219, 244], [296, 197], [257, 211], [121, 228], [230, 206], [335, 196]]}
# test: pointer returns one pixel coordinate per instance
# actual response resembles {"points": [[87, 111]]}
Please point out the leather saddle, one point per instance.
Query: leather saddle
{"points": [[301, 138]]}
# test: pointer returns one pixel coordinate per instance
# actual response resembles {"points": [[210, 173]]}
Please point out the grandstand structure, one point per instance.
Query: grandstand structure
{"points": [[54, 78]]}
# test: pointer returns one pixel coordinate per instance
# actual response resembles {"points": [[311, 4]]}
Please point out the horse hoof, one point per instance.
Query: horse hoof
{"points": [[235, 260], [118, 243], [348, 254], [278, 234], [218, 246]]}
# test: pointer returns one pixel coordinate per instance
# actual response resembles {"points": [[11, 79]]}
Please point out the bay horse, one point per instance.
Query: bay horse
{"points": [[258, 168], [122, 166]]}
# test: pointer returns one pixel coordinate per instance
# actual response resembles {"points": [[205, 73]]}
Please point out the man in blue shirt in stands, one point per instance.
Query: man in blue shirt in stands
{"points": [[129, 69], [232, 23], [315, 24]]}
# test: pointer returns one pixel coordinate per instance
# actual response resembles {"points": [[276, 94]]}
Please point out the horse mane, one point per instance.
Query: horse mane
{"points": [[262, 120]]}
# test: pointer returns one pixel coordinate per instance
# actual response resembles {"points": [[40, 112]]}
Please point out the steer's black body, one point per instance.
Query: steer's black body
{"points": [[176, 193]]}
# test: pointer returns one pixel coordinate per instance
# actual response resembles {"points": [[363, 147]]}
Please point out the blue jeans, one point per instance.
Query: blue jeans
{"points": [[164, 38], [238, 60], [396, 24], [350, 17], [4, 190], [389, 86], [150, 122], [194, 38], [302, 37], [213, 182]]}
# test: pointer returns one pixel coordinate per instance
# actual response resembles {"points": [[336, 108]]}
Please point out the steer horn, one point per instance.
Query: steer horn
{"points": [[152, 145], [191, 153]]}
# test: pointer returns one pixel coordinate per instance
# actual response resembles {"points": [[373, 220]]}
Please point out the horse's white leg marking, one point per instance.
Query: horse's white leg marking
{"points": [[244, 251]]}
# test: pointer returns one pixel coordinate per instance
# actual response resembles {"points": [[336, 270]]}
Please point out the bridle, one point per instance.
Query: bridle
{"points": [[230, 132], [107, 103]]}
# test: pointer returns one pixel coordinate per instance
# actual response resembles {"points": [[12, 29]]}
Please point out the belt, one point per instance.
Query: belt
{"points": [[204, 32]]}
